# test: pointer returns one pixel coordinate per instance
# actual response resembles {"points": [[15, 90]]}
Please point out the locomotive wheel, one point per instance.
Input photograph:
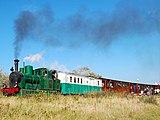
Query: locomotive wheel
{"points": [[5, 93], [14, 94]]}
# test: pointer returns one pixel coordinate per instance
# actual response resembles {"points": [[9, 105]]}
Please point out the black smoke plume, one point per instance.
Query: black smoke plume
{"points": [[128, 18], [24, 25], [98, 27], [29, 24]]}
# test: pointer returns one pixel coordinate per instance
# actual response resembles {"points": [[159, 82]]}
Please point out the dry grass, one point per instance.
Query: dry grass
{"points": [[88, 107]]}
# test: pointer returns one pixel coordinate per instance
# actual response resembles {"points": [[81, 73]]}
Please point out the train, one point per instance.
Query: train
{"points": [[26, 81]]}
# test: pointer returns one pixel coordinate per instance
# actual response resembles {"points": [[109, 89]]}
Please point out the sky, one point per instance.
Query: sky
{"points": [[118, 39]]}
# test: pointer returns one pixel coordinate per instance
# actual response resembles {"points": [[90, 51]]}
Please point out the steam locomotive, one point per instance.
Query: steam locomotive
{"points": [[29, 81], [32, 81]]}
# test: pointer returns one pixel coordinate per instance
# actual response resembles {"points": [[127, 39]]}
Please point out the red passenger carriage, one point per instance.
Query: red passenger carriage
{"points": [[128, 87]]}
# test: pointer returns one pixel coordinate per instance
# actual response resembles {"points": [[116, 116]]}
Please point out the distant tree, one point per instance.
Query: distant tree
{"points": [[4, 78], [86, 71]]}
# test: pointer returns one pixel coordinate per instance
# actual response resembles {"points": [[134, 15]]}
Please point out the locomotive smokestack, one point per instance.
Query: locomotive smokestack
{"points": [[16, 64]]}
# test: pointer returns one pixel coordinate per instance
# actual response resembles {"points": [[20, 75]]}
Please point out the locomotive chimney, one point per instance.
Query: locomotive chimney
{"points": [[16, 64]]}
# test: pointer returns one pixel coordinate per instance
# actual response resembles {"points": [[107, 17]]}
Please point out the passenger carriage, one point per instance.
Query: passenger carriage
{"points": [[77, 84], [129, 87]]}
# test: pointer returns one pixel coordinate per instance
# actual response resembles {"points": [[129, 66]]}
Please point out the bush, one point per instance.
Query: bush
{"points": [[148, 99], [107, 94]]}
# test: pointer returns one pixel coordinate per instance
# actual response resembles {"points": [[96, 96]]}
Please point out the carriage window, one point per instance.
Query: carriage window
{"points": [[98, 82], [70, 79], [81, 80], [111, 84], [74, 79], [78, 80]]}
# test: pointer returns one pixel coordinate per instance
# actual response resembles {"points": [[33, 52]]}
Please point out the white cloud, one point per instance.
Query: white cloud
{"points": [[34, 58], [57, 66]]}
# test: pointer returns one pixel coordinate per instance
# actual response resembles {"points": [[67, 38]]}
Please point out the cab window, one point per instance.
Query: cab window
{"points": [[45, 73]]}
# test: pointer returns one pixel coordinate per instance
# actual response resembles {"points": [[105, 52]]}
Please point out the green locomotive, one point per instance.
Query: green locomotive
{"points": [[30, 81]]}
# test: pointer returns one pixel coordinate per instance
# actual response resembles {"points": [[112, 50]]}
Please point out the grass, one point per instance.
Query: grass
{"points": [[149, 99], [94, 106]]}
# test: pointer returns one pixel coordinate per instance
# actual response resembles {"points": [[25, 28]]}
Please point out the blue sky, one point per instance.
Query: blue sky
{"points": [[118, 39]]}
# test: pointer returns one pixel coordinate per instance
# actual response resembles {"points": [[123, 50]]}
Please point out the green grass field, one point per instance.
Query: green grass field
{"points": [[94, 106]]}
